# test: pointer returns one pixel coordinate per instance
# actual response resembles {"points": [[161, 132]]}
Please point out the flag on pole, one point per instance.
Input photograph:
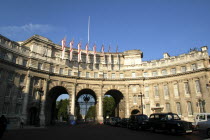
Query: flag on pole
{"points": [[94, 52], [79, 51], [86, 48], [102, 49], [63, 42], [110, 56], [71, 49]]}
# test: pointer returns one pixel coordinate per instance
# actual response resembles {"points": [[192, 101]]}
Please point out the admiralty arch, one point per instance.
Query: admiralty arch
{"points": [[33, 75]]}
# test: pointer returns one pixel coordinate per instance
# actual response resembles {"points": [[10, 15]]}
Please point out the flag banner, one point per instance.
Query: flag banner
{"points": [[79, 51], [110, 56], [94, 52], [102, 51], [71, 49], [63, 42], [86, 48]]}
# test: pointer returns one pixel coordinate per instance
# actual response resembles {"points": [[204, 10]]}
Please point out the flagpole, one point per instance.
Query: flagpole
{"points": [[89, 30]]}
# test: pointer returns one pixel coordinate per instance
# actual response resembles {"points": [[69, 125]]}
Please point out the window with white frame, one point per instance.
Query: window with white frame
{"points": [[95, 74], [154, 73], [79, 73], [168, 107], [164, 72], [14, 59], [176, 90], [135, 99], [105, 75], [113, 75], [183, 69], [39, 66], [178, 108], [25, 62], [146, 91], [69, 72], [173, 71], [133, 75], [121, 75], [189, 107], [87, 75], [186, 88], [134, 89], [165, 90], [197, 86], [52, 69], [145, 74], [194, 67], [156, 91], [61, 71]]}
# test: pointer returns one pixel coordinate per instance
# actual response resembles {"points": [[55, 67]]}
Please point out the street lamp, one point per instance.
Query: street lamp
{"points": [[40, 92], [86, 98], [141, 96]]}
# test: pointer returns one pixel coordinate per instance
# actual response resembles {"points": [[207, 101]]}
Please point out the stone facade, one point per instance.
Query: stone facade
{"points": [[33, 75]]}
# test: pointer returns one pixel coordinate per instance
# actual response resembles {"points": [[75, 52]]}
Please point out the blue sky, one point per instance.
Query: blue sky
{"points": [[153, 26]]}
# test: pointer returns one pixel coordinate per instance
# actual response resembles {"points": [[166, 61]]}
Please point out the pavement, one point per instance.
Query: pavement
{"points": [[92, 132]]}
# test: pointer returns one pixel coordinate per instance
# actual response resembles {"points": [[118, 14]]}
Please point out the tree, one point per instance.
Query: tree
{"points": [[91, 114], [108, 106], [62, 107]]}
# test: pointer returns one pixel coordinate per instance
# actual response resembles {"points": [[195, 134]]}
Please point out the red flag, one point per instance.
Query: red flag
{"points": [[94, 49], [79, 51], [102, 49], [63, 43], [71, 49]]}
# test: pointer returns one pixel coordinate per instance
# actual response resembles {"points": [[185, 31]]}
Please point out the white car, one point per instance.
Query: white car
{"points": [[202, 121]]}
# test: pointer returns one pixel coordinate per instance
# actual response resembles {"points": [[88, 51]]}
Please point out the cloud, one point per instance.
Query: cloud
{"points": [[27, 29]]}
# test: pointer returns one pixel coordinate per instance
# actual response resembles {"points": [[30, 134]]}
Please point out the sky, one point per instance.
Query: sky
{"points": [[152, 26]]}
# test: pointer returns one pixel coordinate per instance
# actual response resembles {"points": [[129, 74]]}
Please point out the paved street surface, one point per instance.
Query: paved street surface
{"points": [[90, 132]]}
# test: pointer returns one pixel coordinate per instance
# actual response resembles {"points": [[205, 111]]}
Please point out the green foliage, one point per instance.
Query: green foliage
{"points": [[108, 106], [91, 114], [62, 107]]}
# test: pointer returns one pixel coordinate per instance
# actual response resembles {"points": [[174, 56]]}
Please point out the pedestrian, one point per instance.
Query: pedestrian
{"points": [[21, 122], [3, 125]]}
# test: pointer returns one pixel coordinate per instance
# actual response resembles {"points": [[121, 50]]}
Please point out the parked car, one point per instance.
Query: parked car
{"points": [[124, 122], [135, 121], [115, 121], [202, 123], [169, 122]]}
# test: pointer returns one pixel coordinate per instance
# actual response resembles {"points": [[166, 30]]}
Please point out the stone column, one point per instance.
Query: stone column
{"points": [[72, 103], [100, 106], [43, 100], [25, 100], [127, 102]]}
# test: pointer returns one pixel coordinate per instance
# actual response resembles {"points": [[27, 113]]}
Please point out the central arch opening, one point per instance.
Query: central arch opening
{"points": [[86, 106], [119, 104]]}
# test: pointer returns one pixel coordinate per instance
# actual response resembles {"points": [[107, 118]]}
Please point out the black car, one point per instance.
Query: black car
{"points": [[136, 121], [169, 122], [124, 122]]}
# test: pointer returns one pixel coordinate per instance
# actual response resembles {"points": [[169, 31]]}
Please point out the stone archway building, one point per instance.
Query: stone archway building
{"points": [[173, 84]]}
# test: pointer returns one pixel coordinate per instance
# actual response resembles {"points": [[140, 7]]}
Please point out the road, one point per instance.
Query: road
{"points": [[90, 132]]}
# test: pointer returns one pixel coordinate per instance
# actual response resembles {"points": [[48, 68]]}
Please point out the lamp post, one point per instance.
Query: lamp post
{"points": [[86, 98], [40, 92], [141, 96]]}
